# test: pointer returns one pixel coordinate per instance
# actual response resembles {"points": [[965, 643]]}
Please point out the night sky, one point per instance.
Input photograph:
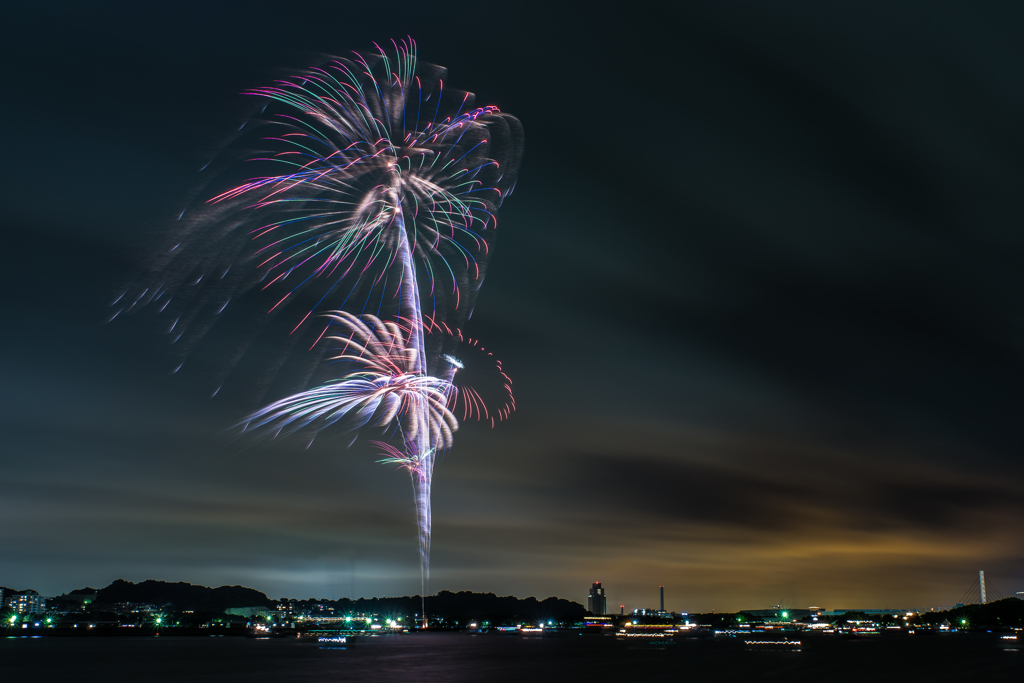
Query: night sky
{"points": [[758, 288]]}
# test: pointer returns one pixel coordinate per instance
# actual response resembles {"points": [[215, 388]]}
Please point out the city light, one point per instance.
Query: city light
{"points": [[311, 621]]}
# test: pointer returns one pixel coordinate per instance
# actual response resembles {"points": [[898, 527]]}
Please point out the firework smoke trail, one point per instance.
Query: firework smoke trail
{"points": [[422, 476], [375, 187]]}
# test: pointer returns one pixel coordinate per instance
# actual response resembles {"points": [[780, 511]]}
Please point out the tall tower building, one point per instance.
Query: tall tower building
{"points": [[597, 603]]}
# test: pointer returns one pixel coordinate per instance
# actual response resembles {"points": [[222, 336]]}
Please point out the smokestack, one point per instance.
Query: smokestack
{"points": [[981, 582], [663, 599], [622, 609]]}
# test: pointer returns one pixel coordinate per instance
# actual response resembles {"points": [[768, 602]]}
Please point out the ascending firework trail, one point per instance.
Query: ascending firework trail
{"points": [[374, 187]]}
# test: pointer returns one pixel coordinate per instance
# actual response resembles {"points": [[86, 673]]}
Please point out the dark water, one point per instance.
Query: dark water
{"points": [[454, 657]]}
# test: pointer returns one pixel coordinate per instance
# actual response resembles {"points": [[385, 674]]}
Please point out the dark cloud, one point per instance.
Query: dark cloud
{"points": [[726, 521]]}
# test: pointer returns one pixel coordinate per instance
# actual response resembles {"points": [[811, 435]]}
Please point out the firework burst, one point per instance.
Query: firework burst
{"points": [[372, 182], [384, 390], [480, 388], [372, 186]]}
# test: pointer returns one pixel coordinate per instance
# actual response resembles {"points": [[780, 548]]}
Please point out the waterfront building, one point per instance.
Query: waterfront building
{"points": [[24, 602], [597, 602]]}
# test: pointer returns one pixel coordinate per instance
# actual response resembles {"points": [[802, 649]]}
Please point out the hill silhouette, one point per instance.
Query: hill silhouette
{"points": [[182, 596], [461, 606]]}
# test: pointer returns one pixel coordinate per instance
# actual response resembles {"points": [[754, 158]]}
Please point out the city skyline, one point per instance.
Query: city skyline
{"points": [[596, 600], [30, 601], [757, 289]]}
